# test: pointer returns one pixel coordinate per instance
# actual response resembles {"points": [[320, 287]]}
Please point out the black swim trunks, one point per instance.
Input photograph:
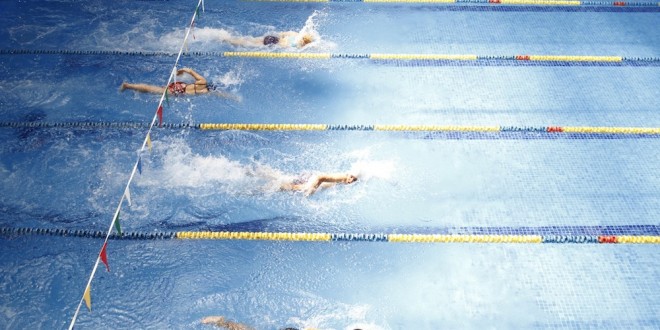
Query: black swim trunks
{"points": [[271, 40]]}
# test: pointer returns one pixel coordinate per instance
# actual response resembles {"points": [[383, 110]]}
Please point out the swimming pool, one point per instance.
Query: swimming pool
{"points": [[501, 140]]}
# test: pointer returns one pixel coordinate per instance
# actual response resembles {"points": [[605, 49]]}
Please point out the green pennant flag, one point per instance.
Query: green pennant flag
{"points": [[197, 11], [167, 98], [117, 226]]}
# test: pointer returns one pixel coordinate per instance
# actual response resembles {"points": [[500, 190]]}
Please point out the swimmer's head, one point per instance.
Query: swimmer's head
{"points": [[271, 40], [307, 39], [350, 178]]}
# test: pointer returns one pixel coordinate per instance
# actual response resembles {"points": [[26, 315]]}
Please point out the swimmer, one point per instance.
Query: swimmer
{"points": [[220, 322], [288, 39], [313, 183], [200, 86]]}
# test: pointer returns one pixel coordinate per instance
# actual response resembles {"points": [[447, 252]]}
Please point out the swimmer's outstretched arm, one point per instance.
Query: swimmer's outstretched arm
{"points": [[325, 178]]}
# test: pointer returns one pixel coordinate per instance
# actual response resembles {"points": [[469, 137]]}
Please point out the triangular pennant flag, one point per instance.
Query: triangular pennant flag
{"points": [[159, 112], [117, 225], [197, 12], [139, 164], [167, 98], [104, 256], [88, 297], [149, 141], [127, 193]]}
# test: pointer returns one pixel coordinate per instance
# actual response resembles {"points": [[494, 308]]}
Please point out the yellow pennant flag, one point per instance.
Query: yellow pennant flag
{"points": [[149, 141], [88, 298]]}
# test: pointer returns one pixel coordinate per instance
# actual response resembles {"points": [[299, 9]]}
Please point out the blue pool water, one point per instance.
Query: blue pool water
{"points": [[410, 182]]}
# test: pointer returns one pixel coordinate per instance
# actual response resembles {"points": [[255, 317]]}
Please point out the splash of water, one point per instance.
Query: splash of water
{"points": [[210, 37], [366, 168], [230, 78], [183, 168], [369, 169], [29, 34], [184, 171], [311, 27], [356, 314]]}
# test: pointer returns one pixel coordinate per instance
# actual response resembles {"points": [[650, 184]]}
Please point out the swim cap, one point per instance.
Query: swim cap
{"points": [[271, 40]]}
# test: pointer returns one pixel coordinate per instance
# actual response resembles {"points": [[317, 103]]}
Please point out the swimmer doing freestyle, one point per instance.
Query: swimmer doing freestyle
{"points": [[179, 88], [287, 39]]}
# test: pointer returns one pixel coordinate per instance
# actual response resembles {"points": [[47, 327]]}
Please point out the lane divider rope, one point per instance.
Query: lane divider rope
{"points": [[343, 237], [491, 2], [326, 127], [92, 125], [374, 57], [434, 128]]}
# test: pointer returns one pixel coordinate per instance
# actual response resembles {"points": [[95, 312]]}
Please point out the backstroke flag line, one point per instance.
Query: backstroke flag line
{"points": [[102, 256]]}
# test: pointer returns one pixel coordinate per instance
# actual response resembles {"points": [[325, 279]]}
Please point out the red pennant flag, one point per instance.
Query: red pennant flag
{"points": [[160, 115], [104, 256]]}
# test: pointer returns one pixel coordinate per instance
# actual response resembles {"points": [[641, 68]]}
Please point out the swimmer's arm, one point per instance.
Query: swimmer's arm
{"points": [[199, 80], [333, 178], [324, 178]]}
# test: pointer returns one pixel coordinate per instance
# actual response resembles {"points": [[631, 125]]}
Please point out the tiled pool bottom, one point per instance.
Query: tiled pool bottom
{"points": [[332, 285]]}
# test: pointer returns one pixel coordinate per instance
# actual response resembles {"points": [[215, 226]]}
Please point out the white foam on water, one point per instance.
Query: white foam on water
{"points": [[355, 315], [29, 34], [207, 174], [366, 168], [209, 38]]}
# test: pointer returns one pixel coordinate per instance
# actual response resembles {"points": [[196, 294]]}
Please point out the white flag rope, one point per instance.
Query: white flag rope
{"points": [[146, 142]]}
